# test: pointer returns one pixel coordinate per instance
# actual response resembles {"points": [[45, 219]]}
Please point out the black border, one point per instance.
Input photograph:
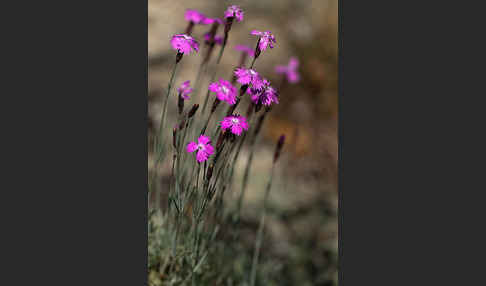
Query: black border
{"points": [[77, 182]]}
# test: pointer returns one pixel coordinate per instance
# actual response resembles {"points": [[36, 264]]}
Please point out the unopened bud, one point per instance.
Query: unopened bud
{"points": [[174, 133], [182, 124], [215, 104], [189, 28], [227, 26], [180, 103], [257, 49], [220, 139], [209, 174], [193, 110], [212, 32], [279, 147]]}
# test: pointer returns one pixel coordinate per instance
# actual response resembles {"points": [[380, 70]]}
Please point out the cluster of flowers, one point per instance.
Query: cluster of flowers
{"points": [[259, 88]]}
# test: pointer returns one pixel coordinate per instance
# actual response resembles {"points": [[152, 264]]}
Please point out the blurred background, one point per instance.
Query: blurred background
{"points": [[300, 246]]}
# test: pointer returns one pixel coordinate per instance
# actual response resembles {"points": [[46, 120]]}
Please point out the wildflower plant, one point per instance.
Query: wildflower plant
{"points": [[234, 123], [224, 91], [203, 153], [290, 70], [203, 147]]}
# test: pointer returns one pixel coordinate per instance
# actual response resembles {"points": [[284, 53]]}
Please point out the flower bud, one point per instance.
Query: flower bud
{"points": [[193, 110], [211, 41], [174, 132], [220, 139], [228, 24], [215, 104], [189, 28], [209, 174], [257, 49], [180, 104], [279, 147]]}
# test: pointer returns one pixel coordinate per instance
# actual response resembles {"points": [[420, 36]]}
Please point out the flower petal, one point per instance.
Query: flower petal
{"points": [[209, 150], [191, 147], [203, 139], [236, 129], [225, 124], [201, 156]]}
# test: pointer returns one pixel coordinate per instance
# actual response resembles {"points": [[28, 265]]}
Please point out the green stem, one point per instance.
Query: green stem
{"points": [[164, 110], [259, 239], [246, 174], [252, 63], [213, 76]]}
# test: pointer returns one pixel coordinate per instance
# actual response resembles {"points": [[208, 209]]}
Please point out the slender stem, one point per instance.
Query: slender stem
{"points": [[220, 55], [164, 110], [258, 245], [259, 239], [197, 84], [172, 179], [207, 122], [253, 62], [246, 175]]}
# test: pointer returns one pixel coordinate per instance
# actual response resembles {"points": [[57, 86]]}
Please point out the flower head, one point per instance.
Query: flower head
{"points": [[184, 89], [266, 95], [234, 11], [245, 49], [267, 39], [184, 43], [224, 91], [249, 76], [195, 16], [290, 70], [236, 123], [203, 146], [217, 39]]}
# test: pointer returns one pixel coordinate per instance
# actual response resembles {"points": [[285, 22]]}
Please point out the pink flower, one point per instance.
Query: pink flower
{"points": [[234, 11], [203, 146], [184, 43], [266, 95], [212, 20], [249, 76], [195, 16], [184, 89], [267, 39], [217, 39], [236, 123], [224, 91], [245, 49], [290, 70]]}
